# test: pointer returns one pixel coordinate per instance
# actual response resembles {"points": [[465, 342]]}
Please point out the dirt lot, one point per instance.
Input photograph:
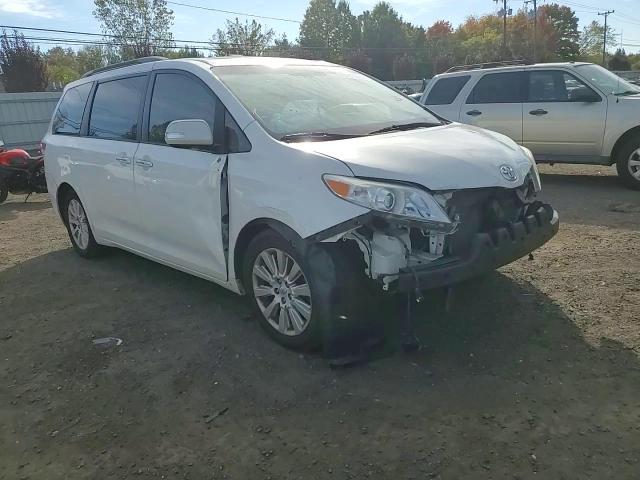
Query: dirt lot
{"points": [[535, 373]]}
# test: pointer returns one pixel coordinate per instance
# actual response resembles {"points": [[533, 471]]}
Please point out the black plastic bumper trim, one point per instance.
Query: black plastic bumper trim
{"points": [[488, 252]]}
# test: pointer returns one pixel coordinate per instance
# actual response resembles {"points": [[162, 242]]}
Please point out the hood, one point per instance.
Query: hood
{"points": [[447, 157]]}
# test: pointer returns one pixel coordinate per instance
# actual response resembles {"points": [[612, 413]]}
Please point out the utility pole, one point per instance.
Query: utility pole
{"points": [[535, 27], [504, 26], [604, 43]]}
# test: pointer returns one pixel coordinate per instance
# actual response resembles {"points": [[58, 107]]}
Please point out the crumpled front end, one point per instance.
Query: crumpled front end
{"points": [[490, 227]]}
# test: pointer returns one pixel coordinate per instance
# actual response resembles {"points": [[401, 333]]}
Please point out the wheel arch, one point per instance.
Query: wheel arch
{"points": [[632, 132], [250, 231]]}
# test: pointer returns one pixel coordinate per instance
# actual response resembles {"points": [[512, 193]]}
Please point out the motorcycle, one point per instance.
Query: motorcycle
{"points": [[20, 173]]}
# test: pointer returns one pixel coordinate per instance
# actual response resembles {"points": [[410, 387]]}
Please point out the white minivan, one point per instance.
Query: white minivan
{"points": [[287, 180]]}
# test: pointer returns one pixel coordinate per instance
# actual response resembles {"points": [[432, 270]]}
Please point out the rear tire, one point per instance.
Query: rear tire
{"points": [[4, 190], [628, 162], [78, 227]]}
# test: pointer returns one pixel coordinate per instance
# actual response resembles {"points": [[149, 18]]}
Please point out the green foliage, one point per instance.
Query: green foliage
{"points": [[22, 65], [619, 61], [328, 30], [565, 25], [592, 38], [140, 28], [183, 52], [385, 36], [248, 38]]}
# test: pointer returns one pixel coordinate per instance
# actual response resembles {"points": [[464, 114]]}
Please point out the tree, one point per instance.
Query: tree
{"points": [[22, 64], [619, 61], [62, 65], [592, 38], [440, 29], [139, 28], [384, 37], [329, 30], [248, 38], [184, 52], [91, 57], [565, 24]]}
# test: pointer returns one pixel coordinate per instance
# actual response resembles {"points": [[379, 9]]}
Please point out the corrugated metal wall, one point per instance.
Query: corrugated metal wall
{"points": [[24, 117]]}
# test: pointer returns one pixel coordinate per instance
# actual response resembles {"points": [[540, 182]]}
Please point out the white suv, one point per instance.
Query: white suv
{"points": [[562, 112], [293, 181]]}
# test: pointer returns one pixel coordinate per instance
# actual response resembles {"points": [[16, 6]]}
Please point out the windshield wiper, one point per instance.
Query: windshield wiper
{"points": [[315, 136], [404, 126]]}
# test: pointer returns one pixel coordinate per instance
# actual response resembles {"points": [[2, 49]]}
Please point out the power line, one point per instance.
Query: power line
{"points": [[93, 34], [218, 10]]}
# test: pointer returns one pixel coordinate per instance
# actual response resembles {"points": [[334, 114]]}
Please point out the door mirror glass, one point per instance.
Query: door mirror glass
{"points": [[583, 94], [192, 132], [1, 144]]}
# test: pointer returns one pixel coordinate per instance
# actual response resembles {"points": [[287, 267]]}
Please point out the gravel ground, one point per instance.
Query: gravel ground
{"points": [[534, 373]]}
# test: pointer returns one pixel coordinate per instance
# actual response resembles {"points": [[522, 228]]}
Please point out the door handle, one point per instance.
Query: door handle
{"points": [[123, 159], [474, 113], [145, 164], [538, 112]]}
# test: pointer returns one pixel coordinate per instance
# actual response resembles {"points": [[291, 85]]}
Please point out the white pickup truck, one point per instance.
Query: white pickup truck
{"points": [[562, 112]]}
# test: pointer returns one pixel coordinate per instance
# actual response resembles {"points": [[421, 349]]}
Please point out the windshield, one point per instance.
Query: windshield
{"points": [[329, 100], [609, 82]]}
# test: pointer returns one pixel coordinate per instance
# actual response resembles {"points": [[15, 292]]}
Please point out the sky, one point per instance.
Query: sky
{"points": [[197, 24]]}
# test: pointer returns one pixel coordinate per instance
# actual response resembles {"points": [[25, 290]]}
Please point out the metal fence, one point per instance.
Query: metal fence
{"points": [[24, 117]]}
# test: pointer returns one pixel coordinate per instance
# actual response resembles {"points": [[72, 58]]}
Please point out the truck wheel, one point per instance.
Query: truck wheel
{"points": [[4, 191], [79, 229], [282, 290], [628, 162]]}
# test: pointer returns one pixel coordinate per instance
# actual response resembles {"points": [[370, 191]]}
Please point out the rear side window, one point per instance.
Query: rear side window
{"points": [[498, 88], [68, 117], [116, 105], [178, 97], [445, 91]]}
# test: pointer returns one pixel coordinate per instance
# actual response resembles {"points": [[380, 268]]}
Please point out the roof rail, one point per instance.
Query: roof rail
{"points": [[114, 66], [481, 66]]}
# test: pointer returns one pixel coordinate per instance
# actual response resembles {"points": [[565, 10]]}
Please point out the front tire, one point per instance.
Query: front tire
{"points": [[79, 229], [628, 162], [283, 291]]}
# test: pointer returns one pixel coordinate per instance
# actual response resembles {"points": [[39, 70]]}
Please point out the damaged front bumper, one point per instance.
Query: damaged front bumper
{"points": [[488, 251]]}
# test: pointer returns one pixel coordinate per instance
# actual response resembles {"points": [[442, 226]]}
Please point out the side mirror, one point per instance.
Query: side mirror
{"points": [[1, 144], [192, 132], [584, 94]]}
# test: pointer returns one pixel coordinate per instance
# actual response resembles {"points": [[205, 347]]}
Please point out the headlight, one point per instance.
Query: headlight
{"points": [[397, 200]]}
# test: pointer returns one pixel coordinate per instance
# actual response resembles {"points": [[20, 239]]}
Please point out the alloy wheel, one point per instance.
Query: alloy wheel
{"points": [[634, 164], [78, 224], [282, 292]]}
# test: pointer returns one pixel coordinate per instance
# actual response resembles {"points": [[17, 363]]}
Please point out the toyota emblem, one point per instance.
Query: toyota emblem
{"points": [[508, 173]]}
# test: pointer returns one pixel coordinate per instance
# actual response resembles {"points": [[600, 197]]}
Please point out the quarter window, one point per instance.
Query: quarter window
{"points": [[556, 86], [178, 97], [498, 88], [445, 91], [116, 105], [68, 117]]}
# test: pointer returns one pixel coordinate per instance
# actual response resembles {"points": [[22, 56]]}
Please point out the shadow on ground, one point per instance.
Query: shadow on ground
{"points": [[9, 210], [505, 388]]}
